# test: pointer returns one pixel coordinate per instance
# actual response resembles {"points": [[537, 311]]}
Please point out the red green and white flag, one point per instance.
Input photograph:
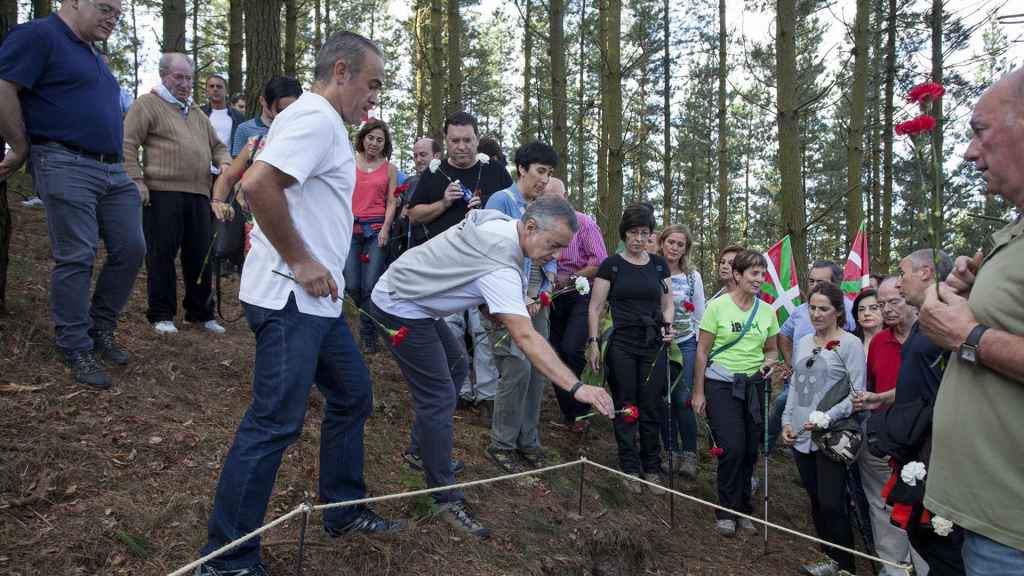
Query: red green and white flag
{"points": [[782, 289], [857, 272]]}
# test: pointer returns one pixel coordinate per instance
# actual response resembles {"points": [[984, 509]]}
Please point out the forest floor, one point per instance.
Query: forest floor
{"points": [[121, 481]]}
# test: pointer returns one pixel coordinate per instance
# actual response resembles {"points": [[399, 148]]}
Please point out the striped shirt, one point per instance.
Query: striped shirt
{"points": [[586, 249]]}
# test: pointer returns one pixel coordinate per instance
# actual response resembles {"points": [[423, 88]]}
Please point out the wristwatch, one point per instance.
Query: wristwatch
{"points": [[575, 387], [969, 349]]}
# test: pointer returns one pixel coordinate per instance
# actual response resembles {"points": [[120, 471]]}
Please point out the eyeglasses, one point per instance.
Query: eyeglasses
{"points": [[894, 303], [106, 10], [869, 308], [181, 77]]}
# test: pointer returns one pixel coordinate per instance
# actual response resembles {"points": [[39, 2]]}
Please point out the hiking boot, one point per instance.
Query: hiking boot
{"points": [[726, 527], [258, 570], [416, 463], [504, 459], [105, 346], [826, 567], [633, 487], [366, 522], [746, 525], [688, 468], [655, 478], [86, 370], [458, 516], [534, 458]]}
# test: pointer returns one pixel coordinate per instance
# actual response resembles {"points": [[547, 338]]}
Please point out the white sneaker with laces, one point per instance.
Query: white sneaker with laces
{"points": [[213, 327], [165, 327]]}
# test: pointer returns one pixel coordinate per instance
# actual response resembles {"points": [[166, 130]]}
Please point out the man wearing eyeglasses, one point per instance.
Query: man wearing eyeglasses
{"points": [[60, 105]]}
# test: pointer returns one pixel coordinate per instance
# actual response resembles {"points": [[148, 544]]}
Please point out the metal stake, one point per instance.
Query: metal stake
{"points": [[307, 508], [583, 466]]}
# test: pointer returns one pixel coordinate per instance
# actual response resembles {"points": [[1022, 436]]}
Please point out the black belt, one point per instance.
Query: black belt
{"points": [[105, 158]]}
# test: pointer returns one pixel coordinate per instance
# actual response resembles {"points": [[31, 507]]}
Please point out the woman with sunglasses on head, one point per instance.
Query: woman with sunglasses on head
{"points": [[830, 357]]}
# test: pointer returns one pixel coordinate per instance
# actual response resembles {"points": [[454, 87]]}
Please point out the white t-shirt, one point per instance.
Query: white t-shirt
{"points": [[307, 141], [221, 121], [502, 290]]}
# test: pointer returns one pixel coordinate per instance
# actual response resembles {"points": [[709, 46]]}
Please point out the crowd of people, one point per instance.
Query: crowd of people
{"points": [[484, 283]]}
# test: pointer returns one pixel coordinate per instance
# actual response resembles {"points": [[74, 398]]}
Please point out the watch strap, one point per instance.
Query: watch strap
{"points": [[974, 338], [575, 387]]}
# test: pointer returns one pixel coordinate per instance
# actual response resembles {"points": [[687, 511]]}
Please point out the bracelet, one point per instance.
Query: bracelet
{"points": [[575, 387], [217, 201], [593, 339]]}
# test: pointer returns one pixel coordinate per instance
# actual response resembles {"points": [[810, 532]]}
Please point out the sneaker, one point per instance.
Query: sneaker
{"points": [[213, 327], [534, 458], [655, 478], [366, 522], [86, 370], [633, 487], [105, 346], [688, 468], [458, 516], [416, 463], [726, 527], [165, 327], [257, 570], [675, 462], [504, 459], [826, 567], [746, 525], [33, 201]]}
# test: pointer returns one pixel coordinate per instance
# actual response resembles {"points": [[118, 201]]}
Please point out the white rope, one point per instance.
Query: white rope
{"points": [[908, 568]]}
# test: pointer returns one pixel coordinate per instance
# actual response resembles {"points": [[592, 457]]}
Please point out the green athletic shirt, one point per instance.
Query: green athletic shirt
{"points": [[976, 474], [725, 320]]}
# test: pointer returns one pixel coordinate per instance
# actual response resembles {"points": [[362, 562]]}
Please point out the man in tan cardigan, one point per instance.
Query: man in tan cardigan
{"points": [[180, 148]]}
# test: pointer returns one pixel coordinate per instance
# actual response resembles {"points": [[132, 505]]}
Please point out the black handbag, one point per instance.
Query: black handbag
{"points": [[230, 234], [842, 441]]}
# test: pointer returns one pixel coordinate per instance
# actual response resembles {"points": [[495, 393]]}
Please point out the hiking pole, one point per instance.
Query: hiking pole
{"points": [[672, 439], [767, 397]]}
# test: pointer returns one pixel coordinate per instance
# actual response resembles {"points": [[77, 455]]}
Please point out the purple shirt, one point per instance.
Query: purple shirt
{"points": [[586, 249]]}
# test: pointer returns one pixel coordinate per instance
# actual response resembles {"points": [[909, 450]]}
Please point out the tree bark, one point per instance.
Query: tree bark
{"points": [[174, 26], [525, 130], [235, 46], [262, 48], [419, 62], [8, 15], [318, 28], [197, 83], [582, 105], [666, 129], [436, 81], [789, 133], [723, 129], [874, 239], [41, 8], [291, 25], [559, 97], [855, 138], [885, 250], [612, 100], [938, 177], [454, 57], [602, 209]]}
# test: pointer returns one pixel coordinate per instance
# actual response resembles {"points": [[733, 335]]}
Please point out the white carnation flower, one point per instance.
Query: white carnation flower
{"points": [[820, 420], [912, 472], [434, 165], [582, 285], [942, 526], [483, 158]]}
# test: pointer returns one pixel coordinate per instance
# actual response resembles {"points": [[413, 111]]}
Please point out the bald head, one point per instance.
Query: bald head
{"points": [[555, 186], [423, 151], [997, 146]]}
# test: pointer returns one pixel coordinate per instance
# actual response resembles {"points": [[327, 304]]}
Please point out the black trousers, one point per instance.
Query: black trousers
{"points": [[568, 336], [825, 482], [176, 221], [633, 381], [943, 553], [735, 432]]}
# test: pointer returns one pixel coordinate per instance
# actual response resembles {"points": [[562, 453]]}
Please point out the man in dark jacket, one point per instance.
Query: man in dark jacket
{"points": [[224, 118]]}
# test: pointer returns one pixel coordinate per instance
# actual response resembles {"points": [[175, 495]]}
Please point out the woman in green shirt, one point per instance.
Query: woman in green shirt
{"points": [[736, 349]]}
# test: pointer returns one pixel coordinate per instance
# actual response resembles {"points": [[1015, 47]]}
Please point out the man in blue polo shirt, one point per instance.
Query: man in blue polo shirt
{"points": [[60, 103]]}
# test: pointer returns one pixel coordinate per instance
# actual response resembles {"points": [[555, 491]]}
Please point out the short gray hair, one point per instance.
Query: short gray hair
{"points": [[837, 272], [167, 60], [548, 209], [941, 263], [346, 46]]}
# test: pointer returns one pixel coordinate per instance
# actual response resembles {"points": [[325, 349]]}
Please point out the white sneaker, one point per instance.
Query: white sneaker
{"points": [[746, 525], [33, 201], [213, 327], [726, 527], [165, 327]]}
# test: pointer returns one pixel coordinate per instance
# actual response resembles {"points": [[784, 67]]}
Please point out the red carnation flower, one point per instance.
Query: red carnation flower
{"points": [[832, 345], [688, 306], [717, 451], [630, 414], [929, 91], [364, 258], [401, 189], [923, 123], [545, 299], [399, 335]]}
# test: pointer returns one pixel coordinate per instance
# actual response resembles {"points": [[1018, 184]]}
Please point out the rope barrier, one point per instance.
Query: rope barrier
{"points": [[306, 508]]}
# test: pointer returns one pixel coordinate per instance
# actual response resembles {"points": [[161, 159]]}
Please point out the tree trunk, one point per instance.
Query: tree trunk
{"points": [[235, 46], [436, 81], [885, 250], [262, 48], [174, 26], [419, 61], [559, 104], [789, 134], [855, 139], [874, 239], [936, 222], [602, 209], [41, 8], [136, 45], [723, 128], [581, 157], [318, 28], [666, 98], [454, 57], [291, 25], [8, 15], [524, 127], [197, 84], [612, 101]]}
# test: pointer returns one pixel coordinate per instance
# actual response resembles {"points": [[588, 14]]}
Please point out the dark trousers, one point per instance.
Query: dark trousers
{"points": [[87, 201], [293, 350], [569, 339], [825, 482], [738, 435], [634, 381], [176, 221], [944, 554], [431, 362]]}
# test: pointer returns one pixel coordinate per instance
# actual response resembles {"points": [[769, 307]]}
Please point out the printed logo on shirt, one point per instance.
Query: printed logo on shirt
{"points": [[737, 327]]}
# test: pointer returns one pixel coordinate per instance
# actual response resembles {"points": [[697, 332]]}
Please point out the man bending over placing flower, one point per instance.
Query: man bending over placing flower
{"points": [[478, 263]]}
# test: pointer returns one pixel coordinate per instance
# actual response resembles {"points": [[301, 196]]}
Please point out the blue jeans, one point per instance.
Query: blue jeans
{"points": [[986, 557], [292, 351], [361, 277], [86, 201], [679, 429]]}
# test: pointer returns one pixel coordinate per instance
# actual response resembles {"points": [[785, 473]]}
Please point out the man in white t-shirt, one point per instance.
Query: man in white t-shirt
{"points": [[224, 118], [300, 190], [477, 263]]}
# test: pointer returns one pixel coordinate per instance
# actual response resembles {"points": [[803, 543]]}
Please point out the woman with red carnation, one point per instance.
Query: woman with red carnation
{"points": [[373, 205], [829, 357]]}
